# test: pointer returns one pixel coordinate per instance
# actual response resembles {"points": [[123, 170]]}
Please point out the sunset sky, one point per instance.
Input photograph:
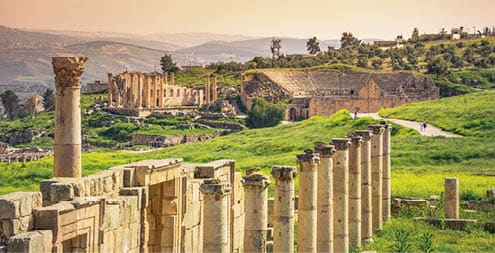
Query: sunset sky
{"points": [[326, 19]]}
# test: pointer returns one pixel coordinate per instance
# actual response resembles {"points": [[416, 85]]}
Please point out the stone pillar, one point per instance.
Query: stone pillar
{"points": [[325, 197], [256, 211], [214, 89], [376, 175], [160, 94], [165, 78], [451, 198], [172, 78], [341, 195], [67, 150], [110, 89], [306, 230], [207, 89], [386, 177], [140, 91], [355, 190], [366, 204], [283, 208], [215, 216], [156, 94]]}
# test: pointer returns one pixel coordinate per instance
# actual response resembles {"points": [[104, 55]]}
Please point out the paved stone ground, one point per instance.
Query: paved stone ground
{"points": [[429, 131]]}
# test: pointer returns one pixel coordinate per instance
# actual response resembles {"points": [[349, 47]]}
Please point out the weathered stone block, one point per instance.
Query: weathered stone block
{"points": [[193, 215], [458, 224], [61, 192], [139, 192], [490, 194], [17, 204], [33, 241], [16, 226]]}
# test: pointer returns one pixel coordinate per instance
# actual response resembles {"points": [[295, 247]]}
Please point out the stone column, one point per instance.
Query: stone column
{"points": [[355, 190], [386, 177], [325, 197], [341, 195], [165, 78], [140, 91], [67, 150], [451, 198], [214, 89], [118, 93], [366, 204], [110, 89], [215, 216], [256, 211], [376, 175], [160, 94], [172, 78], [283, 208], [306, 230], [156, 94], [207, 89]]}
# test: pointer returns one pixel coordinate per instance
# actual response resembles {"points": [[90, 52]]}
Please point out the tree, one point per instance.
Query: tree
{"points": [[264, 114], [313, 45], [414, 36], [10, 103], [48, 100], [348, 40], [377, 63], [362, 62], [168, 65], [437, 66]]}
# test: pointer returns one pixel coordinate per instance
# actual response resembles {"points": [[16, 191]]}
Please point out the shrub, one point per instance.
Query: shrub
{"points": [[264, 114]]}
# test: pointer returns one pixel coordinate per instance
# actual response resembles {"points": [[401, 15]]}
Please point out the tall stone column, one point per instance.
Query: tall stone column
{"points": [[215, 216], [256, 211], [341, 195], [386, 177], [172, 78], [451, 198], [325, 197], [140, 90], [119, 93], [377, 175], [165, 79], [110, 89], [207, 89], [67, 142], [355, 190], [160, 94], [214, 89], [156, 87], [306, 230], [283, 208], [366, 197]]}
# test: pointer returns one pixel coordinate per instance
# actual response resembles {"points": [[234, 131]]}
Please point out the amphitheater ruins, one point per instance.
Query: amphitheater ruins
{"points": [[171, 206], [324, 92], [139, 94]]}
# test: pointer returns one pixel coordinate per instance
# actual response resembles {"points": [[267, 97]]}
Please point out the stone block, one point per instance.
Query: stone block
{"points": [[11, 227], [111, 219], [192, 217], [128, 177], [33, 241], [45, 190], [139, 192], [490, 227], [17, 204], [490, 194], [79, 188], [458, 224], [61, 192]]}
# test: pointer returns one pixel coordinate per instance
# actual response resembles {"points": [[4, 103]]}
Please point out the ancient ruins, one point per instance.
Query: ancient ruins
{"points": [[140, 94], [324, 92]]}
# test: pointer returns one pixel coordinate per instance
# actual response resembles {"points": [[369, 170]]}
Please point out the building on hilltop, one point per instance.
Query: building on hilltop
{"points": [[387, 44], [139, 94], [314, 92]]}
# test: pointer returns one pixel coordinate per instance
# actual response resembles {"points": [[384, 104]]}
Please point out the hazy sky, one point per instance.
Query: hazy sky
{"points": [[295, 18]]}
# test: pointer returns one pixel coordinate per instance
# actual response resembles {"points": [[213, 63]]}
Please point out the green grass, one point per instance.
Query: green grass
{"points": [[470, 115]]}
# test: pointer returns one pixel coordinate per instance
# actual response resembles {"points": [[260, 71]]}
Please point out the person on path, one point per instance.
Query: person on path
{"points": [[421, 126], [424, 126]]}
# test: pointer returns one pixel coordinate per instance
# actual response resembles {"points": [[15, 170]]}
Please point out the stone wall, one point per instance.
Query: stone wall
{"points": [[170, 140], [326, 92]]}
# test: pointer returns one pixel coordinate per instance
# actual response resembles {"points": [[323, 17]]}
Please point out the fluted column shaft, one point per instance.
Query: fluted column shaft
{"points": [[306, 230], [341, 195], [256, 211], [366, 196], [355, 190], [387, 184], [283, 208], [377, 175]]}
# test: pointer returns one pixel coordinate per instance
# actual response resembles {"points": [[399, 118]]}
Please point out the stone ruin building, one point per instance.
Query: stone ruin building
{"points": [[171, 206], [140, 94], [316, 92]]}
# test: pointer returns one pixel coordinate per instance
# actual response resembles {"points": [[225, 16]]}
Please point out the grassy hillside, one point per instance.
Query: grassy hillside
{"points": [[469, 115]]}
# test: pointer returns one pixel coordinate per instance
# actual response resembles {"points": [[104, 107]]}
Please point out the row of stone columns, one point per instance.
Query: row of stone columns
{"points": [[210, 91], [138, 90], [343, 197]]}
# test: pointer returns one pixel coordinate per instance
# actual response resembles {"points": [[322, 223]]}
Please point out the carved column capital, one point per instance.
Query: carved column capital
{"points": [[365, 134], [68, 70], [284, 173], [324, 149], [341, 143], [256, 180], [355, 139], [215, 187], [308, 156], [376, 129]]}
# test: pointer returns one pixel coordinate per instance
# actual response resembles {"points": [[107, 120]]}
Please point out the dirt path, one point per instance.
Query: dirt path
{"points": [[429, 131]]}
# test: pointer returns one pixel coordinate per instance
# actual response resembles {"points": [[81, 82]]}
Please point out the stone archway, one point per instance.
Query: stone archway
{"points": [[292, 114]]}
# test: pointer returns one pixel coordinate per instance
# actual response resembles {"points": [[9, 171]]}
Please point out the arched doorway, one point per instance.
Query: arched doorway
{"points": [[292, 114]]}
